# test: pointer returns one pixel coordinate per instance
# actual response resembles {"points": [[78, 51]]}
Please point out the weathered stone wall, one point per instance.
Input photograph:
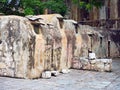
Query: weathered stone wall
{"points": [[71, 38], [17, 41], [55, 51], [32, 45], [96, 40]]}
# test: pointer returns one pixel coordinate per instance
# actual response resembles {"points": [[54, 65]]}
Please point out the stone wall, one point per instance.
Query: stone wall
{"points": [[94, 65], [34, 44], [104, 43], [17, 42]]}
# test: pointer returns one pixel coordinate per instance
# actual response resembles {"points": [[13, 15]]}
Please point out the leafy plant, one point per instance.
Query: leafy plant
{"points": [[56, 6], [88, 4], [32, 7], [28, 11]]}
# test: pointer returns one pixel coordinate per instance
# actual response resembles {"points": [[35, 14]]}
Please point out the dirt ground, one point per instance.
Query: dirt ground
{"points": [[75, 80]]}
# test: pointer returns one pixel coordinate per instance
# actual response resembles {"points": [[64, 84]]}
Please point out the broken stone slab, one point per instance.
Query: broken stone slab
{"points": [[55, 73], [76, 63], [104, 64], [108, 67], [46, 74], [64, 71], [95, 65], [92, 61], [92, 56], [101, 64], [106, 60]]}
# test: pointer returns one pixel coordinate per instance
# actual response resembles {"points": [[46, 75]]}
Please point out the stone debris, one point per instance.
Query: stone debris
{"points": [[92, 56], [96, 64], [46, 74], [64, 71], [55, 73]]}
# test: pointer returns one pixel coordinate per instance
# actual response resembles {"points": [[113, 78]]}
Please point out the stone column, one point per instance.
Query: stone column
{"points": [[114, 11]]}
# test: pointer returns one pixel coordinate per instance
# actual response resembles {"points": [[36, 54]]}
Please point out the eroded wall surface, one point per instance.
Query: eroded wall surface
{"points": [[32, 45], [16, 46], [104, 43]]}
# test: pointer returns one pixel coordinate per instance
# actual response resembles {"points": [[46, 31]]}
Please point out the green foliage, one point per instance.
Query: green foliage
{"points": [[33, 7], [56, 6], [88, 5], [2, 0], [28, 11]]}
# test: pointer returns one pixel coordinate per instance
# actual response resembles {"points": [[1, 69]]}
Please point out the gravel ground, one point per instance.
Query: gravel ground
{"points": [[75, 80]]}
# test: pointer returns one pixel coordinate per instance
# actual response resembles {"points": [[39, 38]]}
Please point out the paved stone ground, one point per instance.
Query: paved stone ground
{"points": [[75, 80]]}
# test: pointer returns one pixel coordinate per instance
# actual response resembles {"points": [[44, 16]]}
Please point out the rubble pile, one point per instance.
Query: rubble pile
{"points": [[94, 65]]}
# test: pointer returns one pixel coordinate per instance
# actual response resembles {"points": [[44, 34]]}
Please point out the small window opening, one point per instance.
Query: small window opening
{"points": [[76, 28], [36, 29], [47, 41], [91, 37], [61, 22], [109, 48], [0, 41], [101, 39]]}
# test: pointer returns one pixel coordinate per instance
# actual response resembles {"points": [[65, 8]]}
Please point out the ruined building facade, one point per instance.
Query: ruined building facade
{"points": [[108, 11], [34, 44]]}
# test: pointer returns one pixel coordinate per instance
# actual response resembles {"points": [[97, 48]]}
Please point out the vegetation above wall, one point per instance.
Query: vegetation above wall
{"points": [[35, 7], [88, 4]]}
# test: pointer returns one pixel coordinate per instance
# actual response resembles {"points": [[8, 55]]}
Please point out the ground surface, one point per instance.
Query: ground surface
{"points": [[75, 80]]}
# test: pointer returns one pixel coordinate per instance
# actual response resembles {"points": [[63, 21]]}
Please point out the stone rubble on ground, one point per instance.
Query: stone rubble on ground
{"points": [[55, 73], [96, 64], [49, 74], [64, 71], [46, 74]]}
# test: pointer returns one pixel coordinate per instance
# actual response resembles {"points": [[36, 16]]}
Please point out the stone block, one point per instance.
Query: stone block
{"points": [[96, 64], [104, 64], [76, 64], [55, 73], [92, 56], [108, 67], [2, 65], [64, 71], [46, 74], [92, 61], [100, 66], [106, 60]]}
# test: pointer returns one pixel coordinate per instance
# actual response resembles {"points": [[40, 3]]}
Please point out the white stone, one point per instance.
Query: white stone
{"points": [[5, 74], [92, 56], [92, 61], [100, 66], [64, 71], [55, 73], [107, 67], [46, 75], [106, 60]]}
